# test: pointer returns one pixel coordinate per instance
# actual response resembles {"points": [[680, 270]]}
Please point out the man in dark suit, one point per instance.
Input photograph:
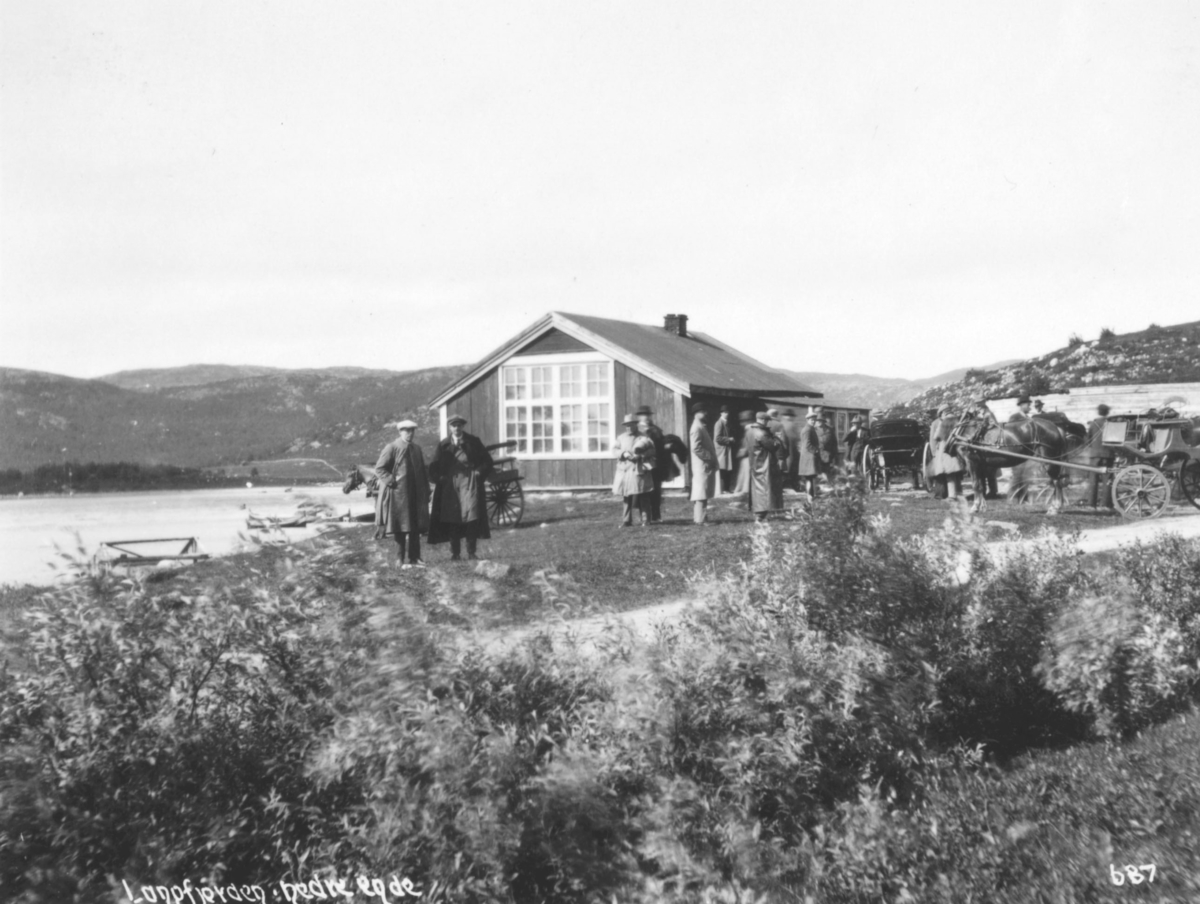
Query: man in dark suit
{"points": [[458, 469], [648, 428]]}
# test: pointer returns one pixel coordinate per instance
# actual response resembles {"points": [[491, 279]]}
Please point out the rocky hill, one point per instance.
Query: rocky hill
{"points": [[1158, 354], [339, 415], [876, 393]]}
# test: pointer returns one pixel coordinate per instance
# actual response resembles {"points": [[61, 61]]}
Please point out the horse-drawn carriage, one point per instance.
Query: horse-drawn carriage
{"points": [[502, 491], [1133, 454], [895, 447]]}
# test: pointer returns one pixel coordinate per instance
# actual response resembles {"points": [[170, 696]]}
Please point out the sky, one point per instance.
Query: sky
{"points": [[890, 188]]}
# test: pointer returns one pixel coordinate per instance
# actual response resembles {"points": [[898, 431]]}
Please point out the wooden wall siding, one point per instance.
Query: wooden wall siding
{"points": [[554, 341], [567, 472], [480, 405], [632, 389]]}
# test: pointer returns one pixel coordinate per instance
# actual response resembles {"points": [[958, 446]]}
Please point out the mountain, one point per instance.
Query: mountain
{"points": [[1157, 354], [863, 391], [339, 414], [152, 379]]}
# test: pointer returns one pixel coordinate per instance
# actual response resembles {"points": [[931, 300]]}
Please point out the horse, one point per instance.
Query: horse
{"points": [[358, 476], [1036, 436]]}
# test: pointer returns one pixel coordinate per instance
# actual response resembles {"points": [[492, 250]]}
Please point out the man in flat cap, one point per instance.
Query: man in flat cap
{"points": [[764, 456], [723, 438], [459, 468], [650, 430], [402, 506], [704, 464]]}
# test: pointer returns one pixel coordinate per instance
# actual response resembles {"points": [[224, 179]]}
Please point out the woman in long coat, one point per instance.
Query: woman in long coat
{"points": [[634, 481], [764, 455], [723, 439], [704, 465], [943, 466], [459, 468], [402, 506]]}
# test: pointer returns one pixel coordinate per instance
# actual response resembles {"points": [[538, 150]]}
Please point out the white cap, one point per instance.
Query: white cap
{"points": [[407, 425]]}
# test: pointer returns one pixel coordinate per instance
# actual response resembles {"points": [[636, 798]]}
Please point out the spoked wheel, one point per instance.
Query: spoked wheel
{"points": [[1189, 480], [1140, 491], [505, 503]]}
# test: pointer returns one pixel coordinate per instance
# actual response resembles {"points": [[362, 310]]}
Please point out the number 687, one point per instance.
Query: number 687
{"points": [[1135, 875]]}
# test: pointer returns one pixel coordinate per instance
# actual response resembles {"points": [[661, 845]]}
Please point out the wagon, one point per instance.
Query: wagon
{"points": [[895, 447], [505, 498]]}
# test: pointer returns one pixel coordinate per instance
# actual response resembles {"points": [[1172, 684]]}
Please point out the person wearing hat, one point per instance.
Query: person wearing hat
{"points": [[653, 432], [459, 469], [831, 453], [634, 481], [703, 463], [742, 485], [724, 440], [789, 432], [402, 505], [1038, 407], [945, 469], [1022, 412], [764, 455], [1095, 443], [808, 464], [856, 444]]}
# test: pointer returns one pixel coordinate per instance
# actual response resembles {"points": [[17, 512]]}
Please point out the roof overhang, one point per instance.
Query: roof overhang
{"points": [[555, 320]]}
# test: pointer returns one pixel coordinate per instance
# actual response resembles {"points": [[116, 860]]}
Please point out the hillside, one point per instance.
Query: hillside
{"points": [[337, 414], [1158, 354], [152, 379], [864, 391]]}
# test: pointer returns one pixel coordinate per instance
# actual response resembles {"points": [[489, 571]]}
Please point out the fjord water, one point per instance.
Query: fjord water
{"points": [[32, 527]]}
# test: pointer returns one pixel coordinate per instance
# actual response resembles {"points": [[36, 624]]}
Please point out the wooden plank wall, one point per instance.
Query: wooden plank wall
{"points": [[567, 472], [480, 405], [632, 389], [554, 341]]}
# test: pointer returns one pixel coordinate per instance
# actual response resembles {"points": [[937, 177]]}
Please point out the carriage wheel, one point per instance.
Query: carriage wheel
{"points": [[1189, 481], [1140, 491], [505, 503]]}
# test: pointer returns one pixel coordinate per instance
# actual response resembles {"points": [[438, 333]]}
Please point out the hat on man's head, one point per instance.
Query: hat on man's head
{"points": [[1039, 403], [813, 413], [629, 419], [788, 412], [762, 417], [724, 409], [1102, 409], [1024, 400], [407, 425], [643, 409], [697, 408], [455, 419], [772, 413]]}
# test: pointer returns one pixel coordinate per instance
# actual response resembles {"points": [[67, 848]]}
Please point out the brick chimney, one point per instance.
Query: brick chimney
{"points": [[676, 323]]}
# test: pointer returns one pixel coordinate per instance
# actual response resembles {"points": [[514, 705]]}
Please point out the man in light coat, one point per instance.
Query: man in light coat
{"points": [[704, 465], [402, 506], [723, 439]]}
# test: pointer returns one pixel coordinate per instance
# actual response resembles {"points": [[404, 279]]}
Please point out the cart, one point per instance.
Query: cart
{"points": [[503, 493], [117, 553], [895, 447]]}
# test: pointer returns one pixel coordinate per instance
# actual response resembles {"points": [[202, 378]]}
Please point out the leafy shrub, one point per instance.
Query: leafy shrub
{"points": [[1107, 335], [1123, 665], [1165, 578], [1037, 383], [1074, 340]]}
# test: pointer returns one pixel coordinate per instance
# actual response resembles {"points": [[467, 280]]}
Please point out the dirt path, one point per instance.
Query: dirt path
{"points": [[643, 623]]}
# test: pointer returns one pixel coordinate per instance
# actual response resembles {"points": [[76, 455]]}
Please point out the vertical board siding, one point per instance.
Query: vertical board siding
{"points": [[632, 389], [479, 403]]}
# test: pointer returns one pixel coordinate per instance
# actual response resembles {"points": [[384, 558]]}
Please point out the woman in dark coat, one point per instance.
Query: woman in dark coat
{"points": [[458, 469], [402, 506]]}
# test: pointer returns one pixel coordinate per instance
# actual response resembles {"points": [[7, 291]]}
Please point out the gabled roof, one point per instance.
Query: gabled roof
{"points": [[688, 364]]}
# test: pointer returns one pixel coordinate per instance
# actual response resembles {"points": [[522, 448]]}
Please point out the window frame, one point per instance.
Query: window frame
{"points": [[557, 401]]}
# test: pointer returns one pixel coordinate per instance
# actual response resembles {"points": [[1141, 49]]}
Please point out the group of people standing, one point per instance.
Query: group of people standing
{"points": [[457, 471], [774, 452]]}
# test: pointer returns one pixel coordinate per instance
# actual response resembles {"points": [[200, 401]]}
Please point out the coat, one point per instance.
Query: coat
{"points": [[402, 504], [661, 465], [460, 490], [704, 463], [856, 443], [723, 439], [764, 455], [635, 465], [789, 449], [809, 457], [791, 429], [830, 453], [942, 463]]}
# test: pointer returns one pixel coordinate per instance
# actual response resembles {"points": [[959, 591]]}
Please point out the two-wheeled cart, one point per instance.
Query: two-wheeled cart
{"points": [[895, 447], [503, 493]]}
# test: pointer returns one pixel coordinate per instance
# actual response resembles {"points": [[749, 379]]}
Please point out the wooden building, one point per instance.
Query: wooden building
{"points": [[561, 387]]}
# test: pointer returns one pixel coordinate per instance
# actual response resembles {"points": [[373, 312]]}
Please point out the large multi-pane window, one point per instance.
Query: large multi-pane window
{"points": [[552, 409]]}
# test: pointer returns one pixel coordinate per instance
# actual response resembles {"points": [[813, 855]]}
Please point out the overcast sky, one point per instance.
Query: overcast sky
{"points": [[888, 188]]}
